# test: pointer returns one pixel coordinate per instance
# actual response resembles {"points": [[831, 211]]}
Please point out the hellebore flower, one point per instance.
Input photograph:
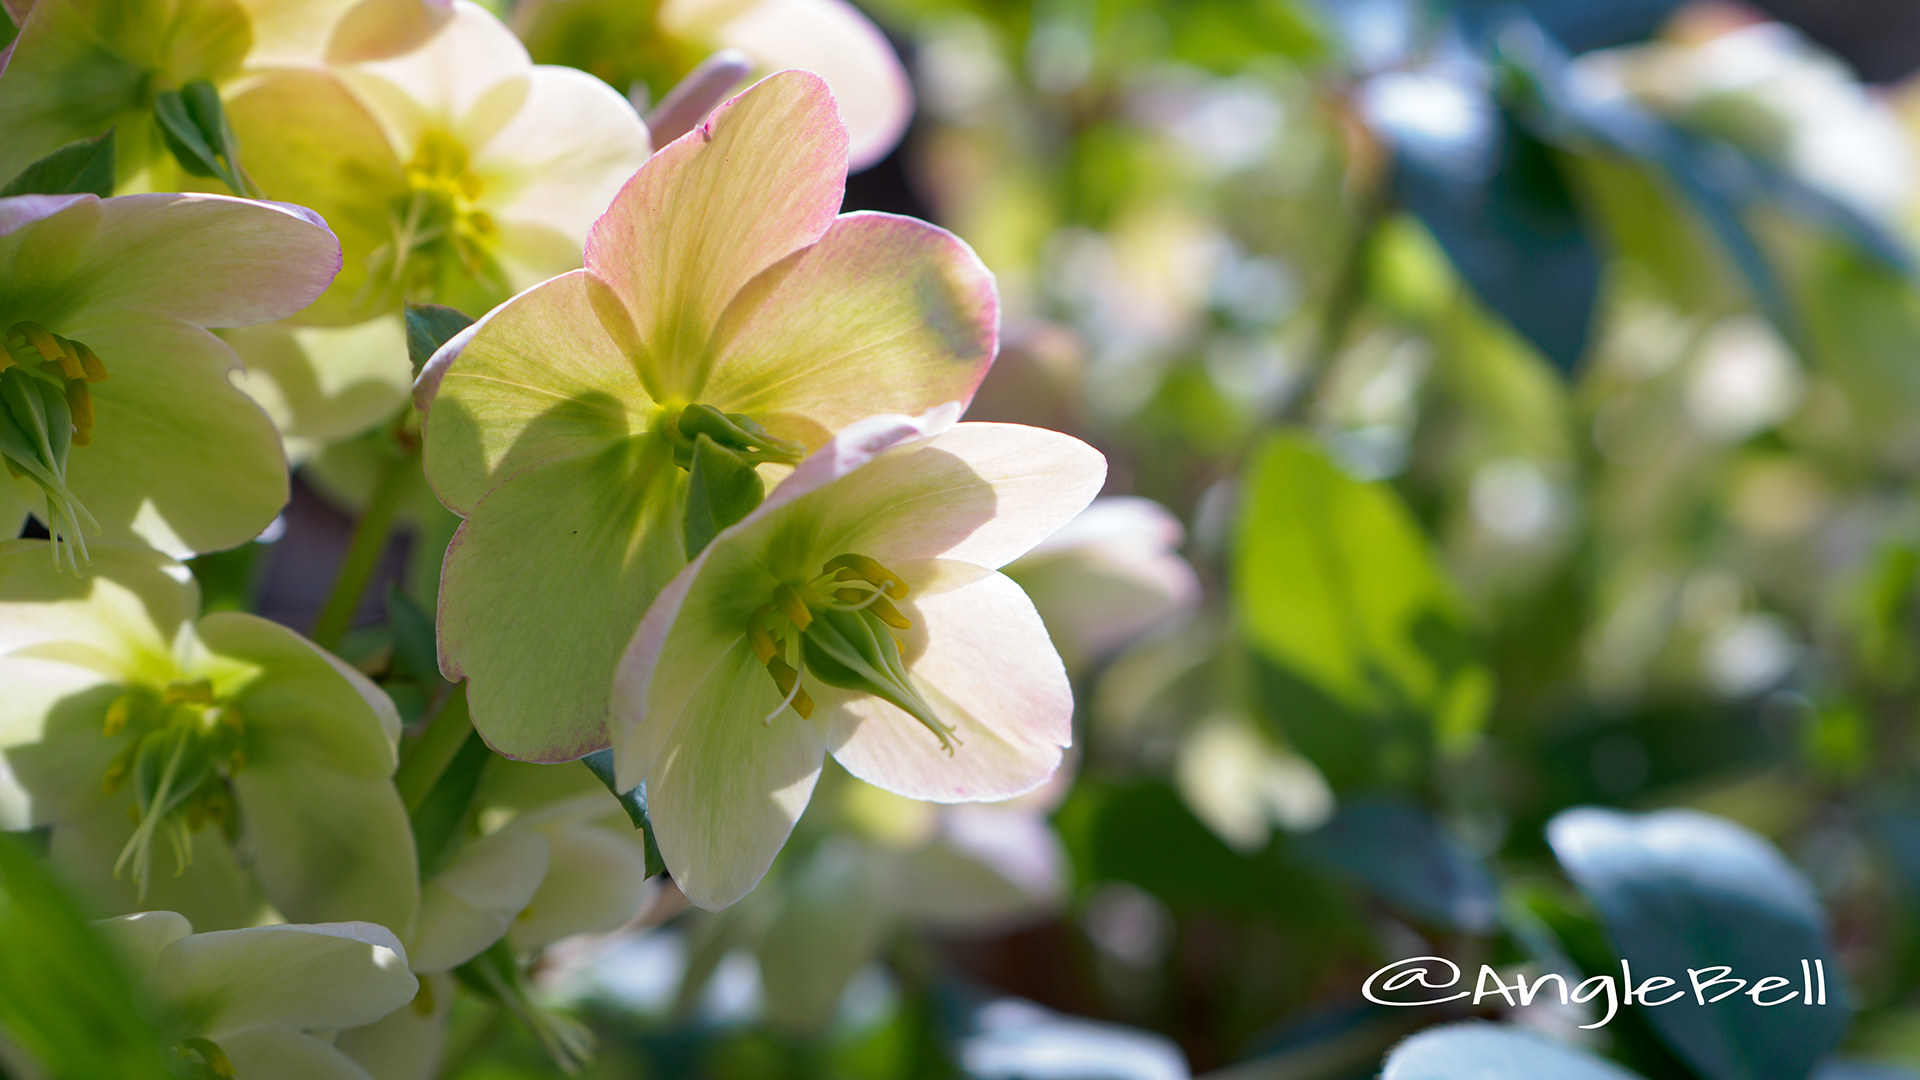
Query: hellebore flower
{"points": [[194, 765], [720, 278], [857, 610], [459, 174], [118, 416], [241, 1002], [1108, 576], [658, 45], [81, 67]]}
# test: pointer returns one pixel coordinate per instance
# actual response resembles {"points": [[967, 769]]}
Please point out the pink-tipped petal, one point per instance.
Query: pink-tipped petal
{"points": [[209, 260], [884, 314], [539, 380], [981, 657], [761, 179]]}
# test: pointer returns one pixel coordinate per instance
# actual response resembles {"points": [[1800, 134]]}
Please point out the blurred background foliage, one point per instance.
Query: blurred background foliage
{"points": [[1537, 386]]}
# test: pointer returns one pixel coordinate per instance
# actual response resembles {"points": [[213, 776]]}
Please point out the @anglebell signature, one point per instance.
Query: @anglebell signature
{"points": [[1420, 976]]}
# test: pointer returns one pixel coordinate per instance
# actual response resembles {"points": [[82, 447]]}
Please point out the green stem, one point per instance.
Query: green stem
{"points": [[424, 759], [363, 553]]}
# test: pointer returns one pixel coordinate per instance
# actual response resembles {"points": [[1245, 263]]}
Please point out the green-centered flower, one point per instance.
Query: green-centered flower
{"points": [[857, 611], [82, 67], [722, 278], [242, 1003], [656, 43], [200, 766], [118, 418], [458, 174]]}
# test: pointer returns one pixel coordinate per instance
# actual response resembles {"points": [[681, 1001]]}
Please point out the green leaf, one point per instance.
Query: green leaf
{"points": [[436, 822], [414, 653], [84, 166], [1680, 890], [64, 999], [430, 326], [721, 489], [1493, 1052], [1404, 856], [195, 128], [1366, 647], [633, 802]]}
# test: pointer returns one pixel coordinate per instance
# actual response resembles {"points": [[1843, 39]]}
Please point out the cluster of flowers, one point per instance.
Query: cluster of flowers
{"points": [[720, 517]]}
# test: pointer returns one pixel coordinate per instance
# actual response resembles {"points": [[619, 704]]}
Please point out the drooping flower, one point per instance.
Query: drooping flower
{"points": [[200, 766], [242, 1002], [1108, 576], [720, 278], [458, 174], [858, 611], [81, 67], [119, 419], [655, 45]]}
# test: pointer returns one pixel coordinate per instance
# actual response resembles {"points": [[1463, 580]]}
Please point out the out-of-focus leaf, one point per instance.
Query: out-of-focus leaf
{"points": [[1335, 586], [414, 652], [1863, 319], [1403, 855], [634, 802], [1860, 1070], [437, 819], [1012, 1039], [64, 998], [1493, 1052], [1495, 198], [430, 326], [1580, 25], [84, 166], [1679, 889]]}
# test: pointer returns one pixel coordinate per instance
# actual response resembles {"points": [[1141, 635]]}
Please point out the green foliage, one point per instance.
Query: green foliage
{"points": [[64, 999], [194, 125], [721, 489], [82, 166], [430, 326], [1336, 588]]}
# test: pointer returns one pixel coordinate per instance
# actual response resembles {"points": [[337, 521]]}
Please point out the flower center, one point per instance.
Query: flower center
{"points": [[839, 629], [45, 411], [735, 432], [437, 228], [182, 745]]}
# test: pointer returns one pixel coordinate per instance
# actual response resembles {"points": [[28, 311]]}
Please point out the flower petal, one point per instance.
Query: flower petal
{"points": [[760, 180], [833, 38], [209, 260], [728, 784], [884, 315], [321, 382], [139, 937], [52, 755], [287, 1055], [440, 84], [180, 459], [564, 156], [326, 975], [536, 381], [212, 891], [472, 902], [595, 881], [327, 846], [122, 620], [409, 1043], [583, 544], [377, 29], [980, 656], [308, 139], [304, 703]]}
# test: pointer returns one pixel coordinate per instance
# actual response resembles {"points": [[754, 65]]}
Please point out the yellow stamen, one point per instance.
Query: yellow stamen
{"points": [[69, 360], [792, 606], [41, 339], [788, 680], [118, 714], [757, 637], [198, 692], [861, 568], [6, 358], [887, 613], [80, 404], [90, 361]]}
